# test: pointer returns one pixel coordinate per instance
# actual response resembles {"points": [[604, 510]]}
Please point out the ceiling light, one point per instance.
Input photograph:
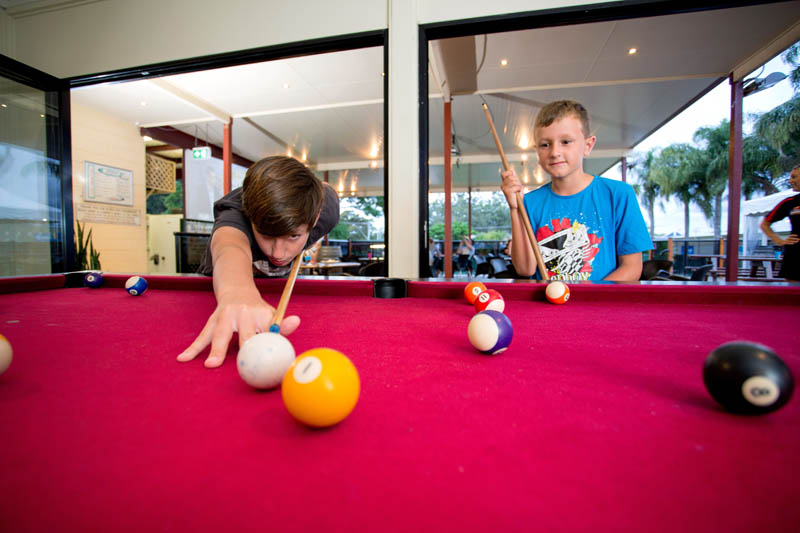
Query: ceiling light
{"points": [[504, 62], [524, 157], [524, 142], [286, 85], [373, 164], [373, 151], [143, 103], [303, 156], [146, 138], [632, 51], [4, 105]]}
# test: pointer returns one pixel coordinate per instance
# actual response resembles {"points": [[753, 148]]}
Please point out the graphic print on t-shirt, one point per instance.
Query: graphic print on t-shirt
{"points": [[568, 249]]}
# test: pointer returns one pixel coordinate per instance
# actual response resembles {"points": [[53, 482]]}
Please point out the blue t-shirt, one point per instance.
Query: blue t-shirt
{"points": [[581, 235]]}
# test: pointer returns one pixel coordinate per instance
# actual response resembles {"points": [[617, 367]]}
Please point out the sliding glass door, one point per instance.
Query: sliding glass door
{"points": [[33, 221]]}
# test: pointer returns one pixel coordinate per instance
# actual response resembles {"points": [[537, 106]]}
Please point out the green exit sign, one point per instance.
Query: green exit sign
{"points": [[201, 152]]}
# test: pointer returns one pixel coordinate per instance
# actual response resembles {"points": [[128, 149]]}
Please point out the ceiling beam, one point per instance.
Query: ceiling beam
{"points": [[436, 64], [320, 107], [162, 148], [183, 140], [604, 83], [192, 100]]}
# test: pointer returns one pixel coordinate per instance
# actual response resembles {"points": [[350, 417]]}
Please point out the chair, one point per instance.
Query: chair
{"points": [[370, 270], [653, 268], [499, 267], [698, 275]]}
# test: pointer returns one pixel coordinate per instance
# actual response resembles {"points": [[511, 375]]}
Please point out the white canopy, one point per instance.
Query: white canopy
{"points": [[753, 211], [762, 206]]}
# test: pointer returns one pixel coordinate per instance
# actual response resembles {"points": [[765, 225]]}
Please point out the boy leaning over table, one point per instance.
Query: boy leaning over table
{"points": [[259, 228]]}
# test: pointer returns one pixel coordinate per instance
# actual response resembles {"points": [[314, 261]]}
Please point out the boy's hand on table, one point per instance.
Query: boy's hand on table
{"points": [[243, 312], [510, 187]]}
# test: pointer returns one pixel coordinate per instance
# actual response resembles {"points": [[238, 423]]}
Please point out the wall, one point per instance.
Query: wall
{"points": [[116, 34], [431, 11], [7, 35], [106, 140]]}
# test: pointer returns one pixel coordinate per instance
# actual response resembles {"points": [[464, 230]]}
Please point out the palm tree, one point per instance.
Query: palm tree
{"points": [[647, 189], [792, 56], [763, 168], [780, 129], [675, 172]]}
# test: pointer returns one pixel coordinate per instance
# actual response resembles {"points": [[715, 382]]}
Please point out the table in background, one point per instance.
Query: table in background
{"points": [[763, 261], [595, 418], [329, 267]]}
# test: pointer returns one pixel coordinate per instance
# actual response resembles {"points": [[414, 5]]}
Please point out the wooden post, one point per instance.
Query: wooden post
{"points": [[670, 252], [448, 192], [734, 180]]}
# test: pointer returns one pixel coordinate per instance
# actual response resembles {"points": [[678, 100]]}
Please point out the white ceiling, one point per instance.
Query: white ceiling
{"points": [[332, 109]]}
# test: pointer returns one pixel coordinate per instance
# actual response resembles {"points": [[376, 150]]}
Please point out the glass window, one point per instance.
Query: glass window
{"points": [[30, 186]]}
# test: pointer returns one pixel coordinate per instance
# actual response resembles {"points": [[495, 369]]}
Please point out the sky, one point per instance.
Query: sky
{"points": [[708, 111]]}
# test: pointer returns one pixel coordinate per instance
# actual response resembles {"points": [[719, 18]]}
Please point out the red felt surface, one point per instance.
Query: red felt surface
{"points": [[595, 419]]}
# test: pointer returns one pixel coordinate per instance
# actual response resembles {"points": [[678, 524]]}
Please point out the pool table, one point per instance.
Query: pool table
{"points": [[595, 418]]}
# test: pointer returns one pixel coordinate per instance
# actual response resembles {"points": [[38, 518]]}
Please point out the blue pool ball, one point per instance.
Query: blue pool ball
{"points": [[136, 285], [93, 279], [490, 332]]}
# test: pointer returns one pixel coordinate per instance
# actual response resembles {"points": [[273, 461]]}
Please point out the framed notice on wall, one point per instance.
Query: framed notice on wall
{"points": [[107, 185]]}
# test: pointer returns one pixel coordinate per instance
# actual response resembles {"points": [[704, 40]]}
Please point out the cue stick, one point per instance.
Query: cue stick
{"points": [[275, 327], [525, 220]]}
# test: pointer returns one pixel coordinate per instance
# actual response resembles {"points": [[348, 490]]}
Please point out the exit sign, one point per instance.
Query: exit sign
{"points": [[201, 152]]}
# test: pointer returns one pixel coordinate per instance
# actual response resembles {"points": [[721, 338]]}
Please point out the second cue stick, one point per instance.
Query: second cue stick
{"points": [[520, 205], [275, 327]]}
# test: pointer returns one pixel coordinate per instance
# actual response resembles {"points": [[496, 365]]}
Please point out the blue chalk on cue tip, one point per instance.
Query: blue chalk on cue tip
{"points": [[274, 328]]}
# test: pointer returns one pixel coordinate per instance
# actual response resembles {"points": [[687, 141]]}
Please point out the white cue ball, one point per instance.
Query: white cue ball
{"points": [[264, 359], [5, 354]]}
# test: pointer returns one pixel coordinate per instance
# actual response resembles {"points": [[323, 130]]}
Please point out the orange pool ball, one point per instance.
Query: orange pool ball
{"points": [[472, 290], [321, 387], [557, 292]]}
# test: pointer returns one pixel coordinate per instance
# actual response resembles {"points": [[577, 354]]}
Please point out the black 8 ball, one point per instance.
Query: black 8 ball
{"points": [[747, 378]]}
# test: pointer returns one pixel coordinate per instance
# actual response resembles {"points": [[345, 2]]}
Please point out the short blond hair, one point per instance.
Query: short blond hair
{"points": [[561, 109]]}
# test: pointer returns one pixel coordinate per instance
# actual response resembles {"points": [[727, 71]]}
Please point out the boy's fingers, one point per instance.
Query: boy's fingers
{"points": [[289, 324], [245, 332], [199, 343], [219, 347]]}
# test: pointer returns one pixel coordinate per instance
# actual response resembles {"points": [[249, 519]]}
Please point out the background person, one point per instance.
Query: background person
{"points": [[789, 207]]}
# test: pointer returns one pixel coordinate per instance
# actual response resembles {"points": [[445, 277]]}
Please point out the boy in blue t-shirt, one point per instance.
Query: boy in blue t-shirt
{"points": [[588, 227]]}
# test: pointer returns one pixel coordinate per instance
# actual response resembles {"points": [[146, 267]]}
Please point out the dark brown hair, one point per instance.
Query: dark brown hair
{"points": [[560, 109], [280, 194]]}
